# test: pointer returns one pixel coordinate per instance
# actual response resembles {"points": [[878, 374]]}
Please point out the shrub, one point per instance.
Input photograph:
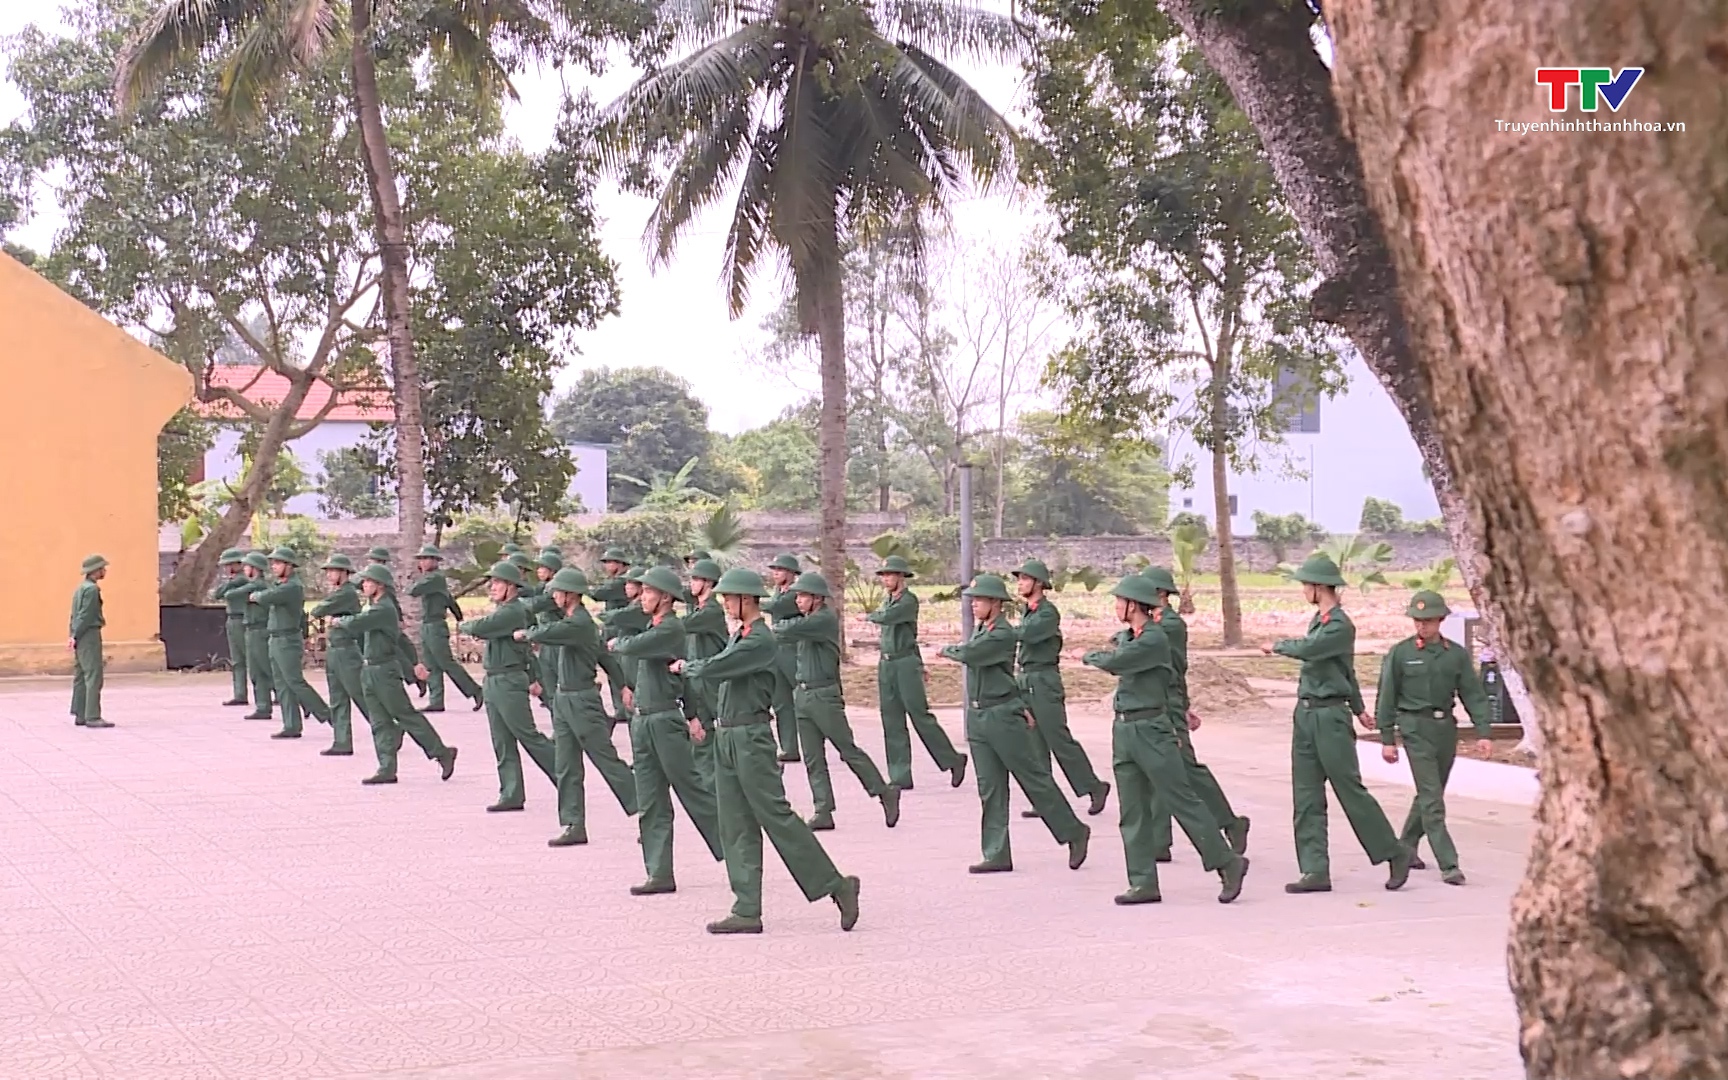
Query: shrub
{"points": [[1281, 531], [1190, 520], [647, 536], [466, 530], [1381, 516]]}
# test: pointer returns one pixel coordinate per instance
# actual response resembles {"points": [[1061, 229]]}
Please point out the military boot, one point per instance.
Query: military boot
{"points": [[1139, 894], [1309, 883], [890, 806], [736, 924], [1232, 876], [822, 822]]}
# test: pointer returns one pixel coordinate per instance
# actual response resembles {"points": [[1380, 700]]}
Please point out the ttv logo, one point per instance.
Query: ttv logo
{"points": [[1591, 82]]}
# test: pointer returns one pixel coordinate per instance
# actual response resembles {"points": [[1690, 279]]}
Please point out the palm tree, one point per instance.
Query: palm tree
{"points": [[834, 120]]}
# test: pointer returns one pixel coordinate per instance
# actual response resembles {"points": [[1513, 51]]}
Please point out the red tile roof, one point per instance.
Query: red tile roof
{"points": [[264, 386]]}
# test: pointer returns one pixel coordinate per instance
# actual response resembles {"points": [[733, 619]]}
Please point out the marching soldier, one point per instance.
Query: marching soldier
{"points": [[286, 601], [433, 592], [695, 557], [1419, 681], [229, 591], [388, 662], [379, 556], [1041, 685], [751, 792], [1146, 755], [781, 609], [1323, 748], [998, 729], [609, 590], [506, 688], [900, 683], [342, 660], [85, 644], [619, 622], [706, 627], [257, 625]]}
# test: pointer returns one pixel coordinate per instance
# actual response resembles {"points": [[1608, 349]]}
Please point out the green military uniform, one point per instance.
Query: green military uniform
{"points": [[387, 662], [286, 602], [705, 628], [433, 592], [342, 659], [1323, 746], [230, 590], [1146, 756], [537, 595], [781, 609], [1041, 686], [380, 556], [751, 792], [1001, 740], [821, 707], [508, 714], [579, 723], [609, 590], [1419, 681], [617, 622], [86, 637], [257, 625], [900, 688]]}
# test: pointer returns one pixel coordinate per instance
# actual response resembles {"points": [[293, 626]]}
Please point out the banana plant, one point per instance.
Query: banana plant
{"points": [[1188, 541], [1360, 559], [1436, 576]]}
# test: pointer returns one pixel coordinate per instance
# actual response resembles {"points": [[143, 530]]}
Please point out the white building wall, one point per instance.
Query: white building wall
{"points": [[222, 462], [590, 480]]}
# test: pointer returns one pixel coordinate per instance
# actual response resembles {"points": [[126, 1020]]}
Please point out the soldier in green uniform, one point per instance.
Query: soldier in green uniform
{"points": [[998, 729], [543, 663], [782, 608], [900, 683], [1186, 721], [615, 622], [228, 590], [822, 705], [85, 645], [609, 590], [1419, 681], [1323, 747], [379, 556], [508, 713], [433, 592], [1146, 755], [705, 627], [1041, 686], [342, 659], [388, 662], [751, 793], [286, 601], [257, 626], [695, 557]]}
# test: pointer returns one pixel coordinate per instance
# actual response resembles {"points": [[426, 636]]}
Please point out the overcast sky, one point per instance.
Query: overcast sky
{"points": [[674, 316]]}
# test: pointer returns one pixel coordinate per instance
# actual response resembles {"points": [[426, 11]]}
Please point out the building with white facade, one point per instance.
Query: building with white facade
{"points": [[589, 483]]}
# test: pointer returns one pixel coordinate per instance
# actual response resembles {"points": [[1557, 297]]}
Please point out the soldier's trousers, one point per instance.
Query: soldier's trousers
{"points": [[1002, 747], [822, 720], [900, 693], [287, 655], [752, 799], [439, 661], [662, 758], [580, 727], [1323, 751], [1205, 785], [1431, 744], [1042, 688], [785, 707], [342, 674], [258, 670], [1151, 780], [237, 655], [512, 722], [700, 699], [87, 677], [392, 715]]}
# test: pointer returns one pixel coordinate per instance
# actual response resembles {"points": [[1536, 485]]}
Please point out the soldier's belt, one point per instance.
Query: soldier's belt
{"points": [[590, 688], [1134, 715], [1323, 702], [238, 616], [741, 721], [1424, 714], [901, 655], [818, 685], [991, 703], [1026, 668]]}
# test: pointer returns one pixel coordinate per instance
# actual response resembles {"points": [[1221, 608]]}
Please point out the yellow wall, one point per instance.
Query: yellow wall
{"points": [[84, 402]]}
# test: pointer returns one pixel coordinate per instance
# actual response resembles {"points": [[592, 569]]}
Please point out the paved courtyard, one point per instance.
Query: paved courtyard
{"points": [[184, 898]]}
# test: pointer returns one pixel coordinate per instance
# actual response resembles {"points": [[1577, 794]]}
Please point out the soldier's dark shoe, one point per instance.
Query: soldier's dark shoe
{"points": [[380, 778], [1232, 876], [1077, 848], [1029, 813], [958, 775], [1139, 896], [572, 836], [1163, 857], [286, 735], [1453, 876], [97, 723], [334, 752], [257, 716], [432, 708], [237, 701], [654, 887], [821, 823], [1398, 870], [990, 868], [890, 806], [77, 723], [503, 808], [907, 786], [1308, 883], [325, 720], [786, 758], [846, 899], [479, 703], [1099, 799], [447, 763], [735, 924], [1416, 862], [1236, 834]]}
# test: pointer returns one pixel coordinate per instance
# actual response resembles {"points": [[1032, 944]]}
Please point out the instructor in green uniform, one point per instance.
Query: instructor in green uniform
{"points": [[1323, 747], [1420, 680], [900, 683], [257, 625], [286, 601], [751, 793], [1041, 686], [436, 604], [342, 659], [229, 591], [388, 663], [85, 645], [781, 609], [506, 689]]}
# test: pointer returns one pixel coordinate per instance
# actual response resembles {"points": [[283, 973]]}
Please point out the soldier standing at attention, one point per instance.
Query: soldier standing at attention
{"points": [[998, 729], [85, 645], [286, 601], [342, 660], [257, 624], [751, 792], [508, 713], [900, 683], [1323, 748], [1185, 721], [822, 705], [781, 609], [388, 660], [229, 591], [433, 592], [695, 557], [1419, 681], [1041, 686], [707, 633], [1146, 756], [579, 723], [609, 590]]}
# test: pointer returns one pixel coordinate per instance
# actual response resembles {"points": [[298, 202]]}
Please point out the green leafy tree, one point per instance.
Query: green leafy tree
{"points": [[646, 416], [1381, 516], [1061, 486], [351, 485], [1280, 532], [782, 457], [180, 450]]}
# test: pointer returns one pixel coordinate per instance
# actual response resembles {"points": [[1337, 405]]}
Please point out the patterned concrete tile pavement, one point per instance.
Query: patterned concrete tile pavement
{"points": [[182, 898]]}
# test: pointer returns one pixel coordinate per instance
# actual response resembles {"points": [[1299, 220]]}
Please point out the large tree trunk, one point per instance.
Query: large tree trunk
{"points": [[830, 308], [393, 260], [1568, 298], [1229, 597]]}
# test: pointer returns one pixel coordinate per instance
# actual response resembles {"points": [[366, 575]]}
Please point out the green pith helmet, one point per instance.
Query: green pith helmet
{"points": [[706, 569], [634, 574], [1161, 579], [231, 556], [511, 549], [257, 561], [1137, 587], [894, 564], [93, 563], [665, 579], [813, 583], [1319, 569], [741, 581], [379, 554], [1428, 604], [338, 562], [787, 561], [380, 573], [614, 555], [550, 561], [552, 549], [570, 579], [430, 551], [987, 587], [697, 556], [1034, 569], [520, 561], [285, 555], [506, 571]]}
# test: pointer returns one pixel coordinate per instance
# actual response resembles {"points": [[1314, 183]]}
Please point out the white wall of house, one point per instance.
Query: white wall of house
{"points": [[590, 481], [223, 459], [1362, 448]]}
